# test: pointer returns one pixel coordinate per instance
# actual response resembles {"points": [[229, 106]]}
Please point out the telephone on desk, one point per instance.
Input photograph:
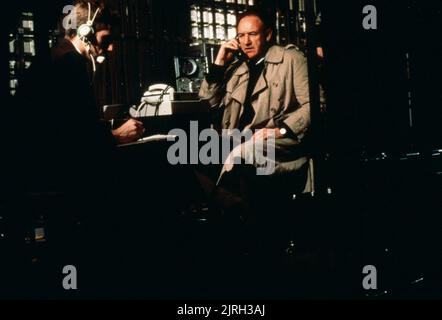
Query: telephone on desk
{"points": [[162, 100], [157, 93], [155, 101]]}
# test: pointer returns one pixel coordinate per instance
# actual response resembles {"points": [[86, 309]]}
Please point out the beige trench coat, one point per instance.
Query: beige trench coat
{"points": [[281, 94]]}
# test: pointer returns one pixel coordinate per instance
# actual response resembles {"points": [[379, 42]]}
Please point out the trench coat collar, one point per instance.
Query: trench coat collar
{"points": [[275, 54]]}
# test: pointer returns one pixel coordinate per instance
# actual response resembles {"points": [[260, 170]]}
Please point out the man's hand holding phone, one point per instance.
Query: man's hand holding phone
{"points": [[228, 51]]}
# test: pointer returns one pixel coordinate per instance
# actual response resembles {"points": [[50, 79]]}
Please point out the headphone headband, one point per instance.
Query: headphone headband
{"points": [[86, 30]]}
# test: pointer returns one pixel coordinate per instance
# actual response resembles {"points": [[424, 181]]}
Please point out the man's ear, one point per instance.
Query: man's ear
{"points": [[269, 34]]}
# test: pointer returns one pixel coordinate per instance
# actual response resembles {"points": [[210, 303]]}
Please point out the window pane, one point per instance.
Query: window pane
{"points": [[220, 17], [231, 17], [208, 31], [11, 46], [220, 32], [195, 14], [196, 32], [207, 15], [231, 32]]}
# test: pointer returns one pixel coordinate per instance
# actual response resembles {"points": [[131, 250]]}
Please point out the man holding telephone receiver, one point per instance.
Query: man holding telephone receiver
{"points": [[263, 88]]}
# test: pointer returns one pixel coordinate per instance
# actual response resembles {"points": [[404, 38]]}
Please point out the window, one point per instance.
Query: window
{"points": [[28, 24], [29, 47], [21, 48], [215, 21], [11, 46]]}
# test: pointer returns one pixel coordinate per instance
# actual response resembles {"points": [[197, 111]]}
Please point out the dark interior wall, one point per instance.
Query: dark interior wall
{"points": [[367, 77], [152, 32], [425, 45]]}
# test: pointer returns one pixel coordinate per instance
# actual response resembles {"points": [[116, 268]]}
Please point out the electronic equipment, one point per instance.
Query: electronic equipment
{"points": [[189, 73]]}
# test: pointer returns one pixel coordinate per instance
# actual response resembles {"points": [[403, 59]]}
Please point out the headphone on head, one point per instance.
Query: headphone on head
{"points": [[86, 30]]}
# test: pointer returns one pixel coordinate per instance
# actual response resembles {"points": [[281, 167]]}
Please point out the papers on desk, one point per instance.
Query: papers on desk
{"points": [[156, 137]]}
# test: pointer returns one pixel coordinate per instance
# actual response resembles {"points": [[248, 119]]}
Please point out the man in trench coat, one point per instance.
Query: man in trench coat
{"points": [[265, 89]]}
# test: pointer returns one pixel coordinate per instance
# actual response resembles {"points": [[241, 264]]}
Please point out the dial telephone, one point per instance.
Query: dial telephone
{"points": [[163, 100], [159, 86], [155, 101], [157, 93]]}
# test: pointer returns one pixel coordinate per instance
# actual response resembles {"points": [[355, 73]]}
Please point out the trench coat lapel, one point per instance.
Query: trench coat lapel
{"points": [[261, 85], [273, 56], [240, 90]]}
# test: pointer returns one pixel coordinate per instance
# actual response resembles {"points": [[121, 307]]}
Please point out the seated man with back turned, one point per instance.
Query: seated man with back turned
{"points": [[265, 91], [57, 96], [69, 151]]}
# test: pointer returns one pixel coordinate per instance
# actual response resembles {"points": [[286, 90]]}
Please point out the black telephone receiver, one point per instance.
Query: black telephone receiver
{"points": [[239, 54]]}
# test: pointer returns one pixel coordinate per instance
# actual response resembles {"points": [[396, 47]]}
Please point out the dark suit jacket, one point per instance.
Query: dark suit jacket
{"points": [[67, 144]]}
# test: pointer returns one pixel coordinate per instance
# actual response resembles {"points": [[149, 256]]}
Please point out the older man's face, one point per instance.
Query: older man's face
{"points": [[251, 36]]}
